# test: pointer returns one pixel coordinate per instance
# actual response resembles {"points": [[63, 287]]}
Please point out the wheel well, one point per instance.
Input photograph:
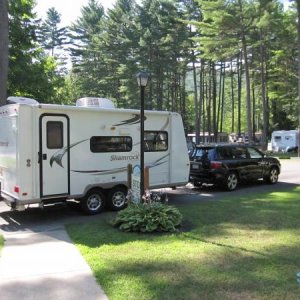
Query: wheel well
{"points": [[94, 189], [105, 191], [236, 172], [275, 167], [123, 186]]}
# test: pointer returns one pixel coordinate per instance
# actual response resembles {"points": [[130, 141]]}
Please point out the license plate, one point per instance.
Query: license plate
{"points": [[195, 167]]}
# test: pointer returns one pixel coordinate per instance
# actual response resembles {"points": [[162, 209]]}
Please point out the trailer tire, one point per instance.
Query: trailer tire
{"points": [[93, 202], [117, 198]]}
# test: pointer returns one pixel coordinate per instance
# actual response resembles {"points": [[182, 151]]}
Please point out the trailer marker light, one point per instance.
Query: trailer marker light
{"points": [[17, 189]]}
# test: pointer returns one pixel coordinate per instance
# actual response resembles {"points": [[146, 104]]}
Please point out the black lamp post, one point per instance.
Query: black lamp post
{"points": [[142, 79]]}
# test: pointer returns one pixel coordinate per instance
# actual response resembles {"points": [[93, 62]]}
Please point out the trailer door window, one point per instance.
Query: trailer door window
{"points": [[54, 135], [110, 144], [155, 141]]}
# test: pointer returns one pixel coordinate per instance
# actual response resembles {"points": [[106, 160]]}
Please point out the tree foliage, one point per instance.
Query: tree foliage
{"points": [[224, 65], [3, 50]]}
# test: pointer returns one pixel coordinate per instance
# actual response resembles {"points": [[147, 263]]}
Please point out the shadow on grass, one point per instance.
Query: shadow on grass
{"points": [[240, 247], [218, 274]]}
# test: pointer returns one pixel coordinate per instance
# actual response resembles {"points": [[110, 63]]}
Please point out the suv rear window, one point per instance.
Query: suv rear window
{"points": [[204, 153], [232, 153]]}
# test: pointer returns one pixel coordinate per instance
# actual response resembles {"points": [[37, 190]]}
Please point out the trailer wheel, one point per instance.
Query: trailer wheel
{"points": [[117, 198], [93, 202]]}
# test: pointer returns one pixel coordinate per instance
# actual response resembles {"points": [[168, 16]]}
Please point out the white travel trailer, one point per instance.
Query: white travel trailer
{"points": [[282, 140], [51, 153]]}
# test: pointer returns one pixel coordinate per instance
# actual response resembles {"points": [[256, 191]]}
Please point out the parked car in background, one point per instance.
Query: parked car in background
{"points": [[227, 165]]}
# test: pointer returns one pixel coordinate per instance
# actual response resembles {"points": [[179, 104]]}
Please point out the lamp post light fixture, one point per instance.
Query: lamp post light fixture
{"points": [[142, 79]]}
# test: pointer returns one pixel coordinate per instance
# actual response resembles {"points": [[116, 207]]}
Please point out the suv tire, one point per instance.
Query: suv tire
{"points": [[231, 182], [272, 177]]}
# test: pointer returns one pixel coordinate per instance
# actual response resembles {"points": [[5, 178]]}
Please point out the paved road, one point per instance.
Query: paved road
{"points": [[289, 177], [38, 220], [40, 262]]}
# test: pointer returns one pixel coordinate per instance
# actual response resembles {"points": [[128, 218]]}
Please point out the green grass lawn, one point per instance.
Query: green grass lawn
{"points": [[237, 248], [1, 243]]}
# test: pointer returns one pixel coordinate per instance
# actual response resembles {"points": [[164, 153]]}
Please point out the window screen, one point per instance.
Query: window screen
{"points": [[155, 141], [54, 135], [110, 144]]}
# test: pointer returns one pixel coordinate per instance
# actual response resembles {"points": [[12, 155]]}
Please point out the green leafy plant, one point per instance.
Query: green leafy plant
{"points": [[148, 217]]}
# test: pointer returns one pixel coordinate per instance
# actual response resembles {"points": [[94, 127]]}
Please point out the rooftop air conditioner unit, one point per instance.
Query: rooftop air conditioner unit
{"points": [[95, 102], [21, 100]]}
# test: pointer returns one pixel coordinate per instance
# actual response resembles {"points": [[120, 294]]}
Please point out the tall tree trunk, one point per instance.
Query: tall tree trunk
{"points": [[3, 50], [209, 103], [247, 76], [220, 96], [204, 121], [222, 100], [214, 100], [240, 73], [204, 96], [201, 95], [265, 128], [253, 108], [298, 27], [197, 127], [183, 100], [232, 98]]}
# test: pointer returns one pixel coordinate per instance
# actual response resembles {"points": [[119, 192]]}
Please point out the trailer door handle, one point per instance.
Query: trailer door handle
{"points": [[44, 156]]}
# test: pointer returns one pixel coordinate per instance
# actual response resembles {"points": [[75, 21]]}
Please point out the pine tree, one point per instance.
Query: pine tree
{"points": [[51, 35], [31, 72], [87, 61], [3, 50]]}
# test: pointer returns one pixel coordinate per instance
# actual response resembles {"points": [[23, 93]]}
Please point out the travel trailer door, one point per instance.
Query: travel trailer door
{"points": [[54, 156]]}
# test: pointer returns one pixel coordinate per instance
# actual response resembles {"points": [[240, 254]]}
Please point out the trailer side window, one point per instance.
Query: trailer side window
{"points": [[155, 141], [55, 135], [110, 144]]}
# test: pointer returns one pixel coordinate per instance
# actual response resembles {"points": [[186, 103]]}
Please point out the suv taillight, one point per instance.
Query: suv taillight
{"points": [[215, 165]]}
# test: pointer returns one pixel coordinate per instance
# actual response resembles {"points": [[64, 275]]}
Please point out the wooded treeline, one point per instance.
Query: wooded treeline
{"points": [[225, 66]]}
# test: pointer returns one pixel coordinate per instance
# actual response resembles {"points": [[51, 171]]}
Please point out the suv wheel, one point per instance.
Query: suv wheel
{"points": [[272, 176], [231, 182], [197, 184]]}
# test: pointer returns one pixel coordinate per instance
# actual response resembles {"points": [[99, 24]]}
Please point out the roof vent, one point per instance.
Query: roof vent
{"points": [[95, 102], [21, 100]]}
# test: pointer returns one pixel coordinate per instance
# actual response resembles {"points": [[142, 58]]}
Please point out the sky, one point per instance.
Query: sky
{"points": [[69, 9]]}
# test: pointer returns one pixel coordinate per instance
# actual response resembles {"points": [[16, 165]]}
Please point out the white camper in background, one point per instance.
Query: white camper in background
{"points": [[52, 153], [282, 140]]}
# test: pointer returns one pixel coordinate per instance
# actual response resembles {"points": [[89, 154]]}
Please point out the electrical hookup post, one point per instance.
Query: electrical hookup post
{"points": [[133, 178]]}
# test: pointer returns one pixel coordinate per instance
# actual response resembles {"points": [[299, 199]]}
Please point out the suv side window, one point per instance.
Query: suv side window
{"points": [[239, 153], [225, 153], [254, 153]]}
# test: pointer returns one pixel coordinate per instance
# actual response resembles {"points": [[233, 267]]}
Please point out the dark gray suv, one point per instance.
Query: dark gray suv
{"points": [[228, 165]]}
